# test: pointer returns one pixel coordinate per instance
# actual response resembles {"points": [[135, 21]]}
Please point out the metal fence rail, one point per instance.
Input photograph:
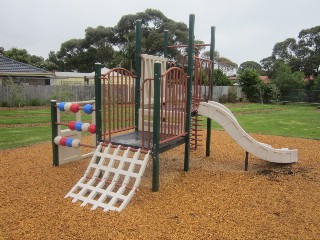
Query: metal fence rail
{"points": [[302, 95]]}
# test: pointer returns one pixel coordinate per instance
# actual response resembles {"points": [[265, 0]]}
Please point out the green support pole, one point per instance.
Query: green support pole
{"points": [[156, 127], [98, 101], [54, 133], [189, 93], [212, 49], [138, 73], [165, 43]]}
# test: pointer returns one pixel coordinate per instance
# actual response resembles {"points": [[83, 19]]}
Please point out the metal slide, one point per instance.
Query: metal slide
{"points": [[227, 120]]}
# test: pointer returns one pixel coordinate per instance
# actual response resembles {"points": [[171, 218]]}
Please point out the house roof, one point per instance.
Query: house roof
{"points": [[264, 79], [11, 67]]}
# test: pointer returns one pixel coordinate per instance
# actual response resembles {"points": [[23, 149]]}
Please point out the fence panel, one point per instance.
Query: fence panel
{"points": [[43, 93], [302, 95], [219, 91], [82, 93]]}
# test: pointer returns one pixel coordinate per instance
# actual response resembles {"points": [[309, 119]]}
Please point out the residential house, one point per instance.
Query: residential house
{"points": [[75, 78], [22, 73]]}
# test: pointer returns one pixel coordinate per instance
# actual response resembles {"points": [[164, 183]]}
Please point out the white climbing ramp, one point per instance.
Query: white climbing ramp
{"points": [[111, 179], [227, 120]]}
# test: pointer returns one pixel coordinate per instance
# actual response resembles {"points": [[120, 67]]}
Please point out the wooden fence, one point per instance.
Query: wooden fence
{"points": [[79, 93], [46, 93]]}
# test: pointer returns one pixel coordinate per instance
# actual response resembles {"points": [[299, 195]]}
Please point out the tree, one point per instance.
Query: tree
{"points": [[250, 83], [267, 66], [52, 58], [250, 64], [309, 50], [226, 65], [20, 55], [286, 80], [115, 46], [99, 41], [153, 23], [220, 79], [69, 53], [316, 85], [302, 54], [216, 55]]}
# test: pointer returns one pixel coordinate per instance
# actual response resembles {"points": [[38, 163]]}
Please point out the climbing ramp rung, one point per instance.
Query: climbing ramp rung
{"points": [[111, 179]]}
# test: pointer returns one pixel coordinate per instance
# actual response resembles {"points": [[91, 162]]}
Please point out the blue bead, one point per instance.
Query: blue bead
{"points": [[69, 142], [61, 106], [88, 108], [78, 126]]}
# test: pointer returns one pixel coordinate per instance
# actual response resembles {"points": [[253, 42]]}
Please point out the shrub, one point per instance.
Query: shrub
{"points": [[275, 93], [232, 97], [35, 102], [17, 93], [223, 99], [62, 93], [249, 80], [4, 104]]}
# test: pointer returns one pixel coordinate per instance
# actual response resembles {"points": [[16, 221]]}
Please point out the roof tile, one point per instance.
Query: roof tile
{"points": [[10, 65]]}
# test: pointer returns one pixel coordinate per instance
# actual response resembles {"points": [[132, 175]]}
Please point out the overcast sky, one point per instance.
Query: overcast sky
{"points": [[246, 30]]}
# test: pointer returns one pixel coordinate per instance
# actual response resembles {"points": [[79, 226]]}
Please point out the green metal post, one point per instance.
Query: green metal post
{"points": [[54, 133], [165, 43], [212, 49], [138, 73], [156, 127], [189, 93], [98, 101]]}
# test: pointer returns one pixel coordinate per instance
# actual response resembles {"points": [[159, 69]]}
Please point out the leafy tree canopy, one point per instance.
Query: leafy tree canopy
{"points": [[220, 79], [226, 65], [250, 64], [286, 80], [302, 54], [216, 55], [115, 46], [22, 55]]}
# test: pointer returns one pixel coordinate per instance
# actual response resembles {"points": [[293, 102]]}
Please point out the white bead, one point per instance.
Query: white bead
{"points": [[67, 107], [75, 143], [85, 127], [57, 140]]}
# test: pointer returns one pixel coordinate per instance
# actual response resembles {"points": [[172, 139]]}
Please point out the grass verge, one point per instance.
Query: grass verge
{"points": [[282, 120]]}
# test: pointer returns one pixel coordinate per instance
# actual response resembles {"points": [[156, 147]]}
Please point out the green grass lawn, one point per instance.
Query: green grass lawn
{"points": [[22, 136], [282, 120], [285, 120]]}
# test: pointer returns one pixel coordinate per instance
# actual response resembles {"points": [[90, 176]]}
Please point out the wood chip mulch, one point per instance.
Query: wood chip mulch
{"points": [[216, 199]]}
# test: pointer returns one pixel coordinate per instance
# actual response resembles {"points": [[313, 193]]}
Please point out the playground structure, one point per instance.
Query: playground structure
{"points": [[146, 113]]}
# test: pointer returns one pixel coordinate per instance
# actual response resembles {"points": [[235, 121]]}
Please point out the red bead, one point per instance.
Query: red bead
{"points": [[92, 128], [74, 108], [71, 125], [63, 141]]}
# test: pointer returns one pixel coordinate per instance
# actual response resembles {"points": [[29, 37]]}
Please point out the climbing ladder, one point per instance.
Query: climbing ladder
{"points": [[196, 132], [111, 179]]}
